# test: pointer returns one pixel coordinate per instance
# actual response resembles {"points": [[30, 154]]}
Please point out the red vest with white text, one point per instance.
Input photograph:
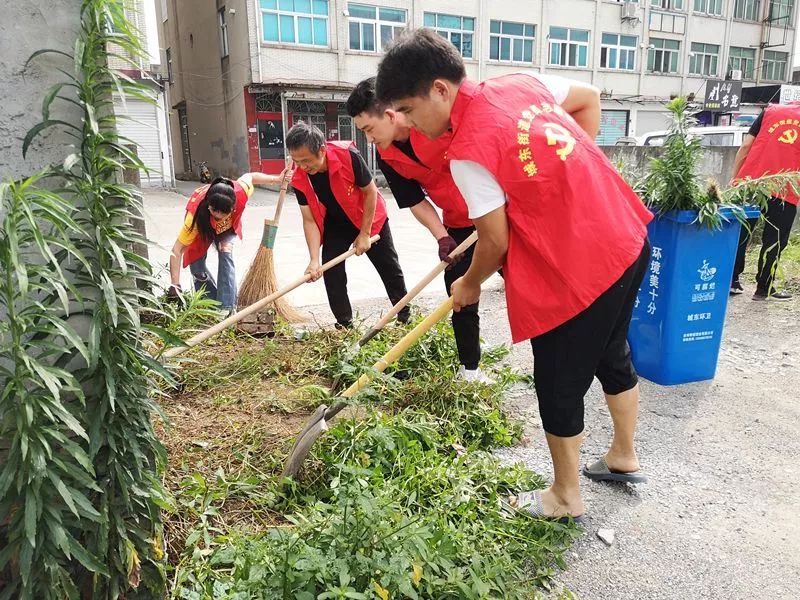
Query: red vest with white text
{"points": [[574, 225], [777, 146], [344, 188]]}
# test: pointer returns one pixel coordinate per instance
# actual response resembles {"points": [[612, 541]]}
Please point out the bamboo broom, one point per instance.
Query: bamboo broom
{"points": [[260, 280]]}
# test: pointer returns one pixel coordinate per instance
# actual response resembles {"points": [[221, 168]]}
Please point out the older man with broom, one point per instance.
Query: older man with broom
{"points": [[341, 207]]}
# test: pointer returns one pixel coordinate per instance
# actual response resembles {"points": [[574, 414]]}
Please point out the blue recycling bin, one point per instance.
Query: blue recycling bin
{"points": [[676, 327]]}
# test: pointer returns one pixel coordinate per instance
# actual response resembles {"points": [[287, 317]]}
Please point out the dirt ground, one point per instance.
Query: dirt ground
{"points": [[719, 516]]}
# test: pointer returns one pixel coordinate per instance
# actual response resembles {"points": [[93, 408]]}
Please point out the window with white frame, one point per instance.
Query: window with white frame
{"points": [[780, 11], [373, 27], [668, 23], [223, 33], [773, 67], [744, 60], [703, 59], [709, 7], [511, 42], [747, 10], [303, 22], [663, 56], [459, 30], [671, 4], [569, 47], [618, 51]]}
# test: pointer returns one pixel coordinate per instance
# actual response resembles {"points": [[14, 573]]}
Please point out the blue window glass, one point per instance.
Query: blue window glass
{"points": [[270, 26]]}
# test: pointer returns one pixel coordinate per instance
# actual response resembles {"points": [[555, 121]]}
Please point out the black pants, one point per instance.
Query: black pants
{"points": [[337, 239], [593, 343], [466, 322], [778, 222]]}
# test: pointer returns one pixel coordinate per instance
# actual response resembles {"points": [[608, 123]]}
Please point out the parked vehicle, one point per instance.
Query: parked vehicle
{"points": [[709, 136], [204, 172]]}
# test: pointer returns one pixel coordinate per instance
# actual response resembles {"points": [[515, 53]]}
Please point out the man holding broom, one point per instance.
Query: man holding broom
{"points": [[407, 159], [341, 207], [569, 233]]}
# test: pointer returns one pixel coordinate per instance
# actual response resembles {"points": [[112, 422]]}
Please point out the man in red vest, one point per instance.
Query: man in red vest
{"points": [[341, 207], [406, 158], [569, 233], [771, 146]]}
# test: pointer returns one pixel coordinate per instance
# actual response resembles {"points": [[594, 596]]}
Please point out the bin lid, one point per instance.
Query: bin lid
{"points": [[690, 216]]}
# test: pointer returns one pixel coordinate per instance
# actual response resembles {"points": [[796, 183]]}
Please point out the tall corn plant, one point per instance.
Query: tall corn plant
{"points": [[80, 496]]}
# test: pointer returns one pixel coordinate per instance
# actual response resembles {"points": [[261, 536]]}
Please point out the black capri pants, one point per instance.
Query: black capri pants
{"points": [[594, 343]]}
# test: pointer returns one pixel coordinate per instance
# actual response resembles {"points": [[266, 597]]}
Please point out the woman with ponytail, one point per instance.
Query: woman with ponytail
{"points": [[214, 216]]}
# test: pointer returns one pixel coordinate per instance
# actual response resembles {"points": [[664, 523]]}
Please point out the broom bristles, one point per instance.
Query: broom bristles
{"points": [[260, 282]]}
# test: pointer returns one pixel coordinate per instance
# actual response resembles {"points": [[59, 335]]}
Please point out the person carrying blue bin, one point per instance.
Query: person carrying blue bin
{"points": [[569, 233], [771, 146]]}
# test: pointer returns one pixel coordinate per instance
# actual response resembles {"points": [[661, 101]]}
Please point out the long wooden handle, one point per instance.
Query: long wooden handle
{"points": [[317, 423], [256, 306], [281, 198], [279, 206], [394, 353], [421, 285]]}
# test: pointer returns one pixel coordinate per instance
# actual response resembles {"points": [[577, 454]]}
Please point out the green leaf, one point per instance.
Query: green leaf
{"points": [[31, 517], [48, 99], [85, 558], [70, 161], [170, 339], [39, 128], [64, 493], [46, 51], [110, 296]]}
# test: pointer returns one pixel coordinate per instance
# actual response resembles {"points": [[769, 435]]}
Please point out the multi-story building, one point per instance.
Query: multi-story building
{"points": [[143, 120], [243, 71]]}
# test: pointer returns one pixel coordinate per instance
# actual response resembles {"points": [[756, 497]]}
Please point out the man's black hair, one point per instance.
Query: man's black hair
{"points": [[413, 62], [363, 100], [302, 134]]}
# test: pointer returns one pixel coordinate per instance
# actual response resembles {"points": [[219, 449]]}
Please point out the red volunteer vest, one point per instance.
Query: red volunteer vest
{"points": [[344, 188], [777, 146], [574, 225], [199, 246], [433, 175]]}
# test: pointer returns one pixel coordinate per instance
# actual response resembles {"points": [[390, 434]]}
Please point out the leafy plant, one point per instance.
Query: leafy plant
{"points": [[80, 497], [672, 182], [400, 502]]}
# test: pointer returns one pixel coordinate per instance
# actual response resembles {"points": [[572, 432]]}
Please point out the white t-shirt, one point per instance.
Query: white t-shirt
{"points": [[480, 189]]}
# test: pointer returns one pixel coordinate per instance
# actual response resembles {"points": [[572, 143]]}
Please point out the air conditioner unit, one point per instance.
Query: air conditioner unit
{"points": [[629, 11], [736, 75]]}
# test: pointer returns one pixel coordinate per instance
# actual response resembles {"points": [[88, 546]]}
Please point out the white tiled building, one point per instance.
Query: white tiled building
{"points": [[297, 59]]}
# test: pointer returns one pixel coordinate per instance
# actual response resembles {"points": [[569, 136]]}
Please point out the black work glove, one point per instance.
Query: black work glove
{"points": [[446, 245]]}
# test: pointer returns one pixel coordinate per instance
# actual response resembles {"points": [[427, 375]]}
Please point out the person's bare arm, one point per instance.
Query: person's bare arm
{"points": [[426, 214], [313, 241], [490, 254], [362, 243], [583, 104], [263, 179], [175, 258]]}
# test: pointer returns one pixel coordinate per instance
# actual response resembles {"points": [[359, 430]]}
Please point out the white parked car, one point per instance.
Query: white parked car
{"points": [[709, 136]]}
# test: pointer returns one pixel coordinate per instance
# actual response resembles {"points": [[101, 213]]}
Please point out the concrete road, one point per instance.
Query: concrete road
{"points": [[164, 211]]}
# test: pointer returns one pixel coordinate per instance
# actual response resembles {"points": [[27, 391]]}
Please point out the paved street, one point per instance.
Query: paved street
{"points": [[164, 211]]}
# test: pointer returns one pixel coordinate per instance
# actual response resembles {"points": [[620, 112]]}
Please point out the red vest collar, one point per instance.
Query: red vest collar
{"points": [[466, 92]]}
